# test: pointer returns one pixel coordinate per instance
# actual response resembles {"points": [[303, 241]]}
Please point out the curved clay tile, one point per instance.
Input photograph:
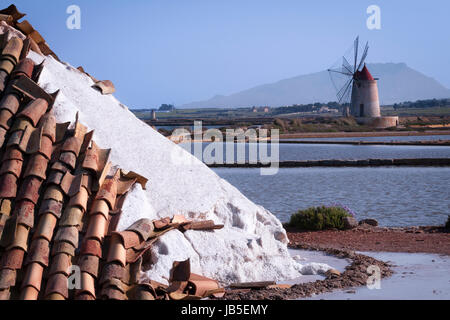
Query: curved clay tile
{"points": [[48, 125], [24, 67], [8, 186], [97, 228], [24, 212], [67, 234], [29, 190], [117, 252], [10, 102], [91, 247], [45, 227], [89, 264], [73, 216], [54, 193], [32, 279], [69, 159], [12, 154], [52, 207], [63, 247], [20, 240], [12, 259], [60, 264], [39, 252], [87, 284], [6, 118], [34, 111], [100, 207], [57, 283], [72, 144], [37, 167], [11, 166], [143, 227], [80, 199]]}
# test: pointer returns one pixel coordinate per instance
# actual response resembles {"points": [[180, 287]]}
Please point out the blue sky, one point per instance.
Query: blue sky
{"points": [[179, 51]]}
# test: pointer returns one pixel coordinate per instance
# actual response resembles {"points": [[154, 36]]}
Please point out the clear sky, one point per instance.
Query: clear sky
{"points": [[179, 51]]}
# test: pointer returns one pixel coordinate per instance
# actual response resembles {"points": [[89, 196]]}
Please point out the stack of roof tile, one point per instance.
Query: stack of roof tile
{"points": [[60, 203]]}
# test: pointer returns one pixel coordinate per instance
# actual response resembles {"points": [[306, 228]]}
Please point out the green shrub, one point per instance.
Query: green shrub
{"points": [[319, 218], [447, 225]]}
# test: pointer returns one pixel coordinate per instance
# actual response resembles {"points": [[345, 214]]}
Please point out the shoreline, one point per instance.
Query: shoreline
{"points": [[428, 162], [344, 244], [362, 134]]}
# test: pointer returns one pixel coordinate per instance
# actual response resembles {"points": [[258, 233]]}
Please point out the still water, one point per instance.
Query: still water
{"points": [[337, 151], [379, 139], [402, 196]]}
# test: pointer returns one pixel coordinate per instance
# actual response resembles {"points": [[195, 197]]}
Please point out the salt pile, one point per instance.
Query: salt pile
{"points": [[253, 244]]}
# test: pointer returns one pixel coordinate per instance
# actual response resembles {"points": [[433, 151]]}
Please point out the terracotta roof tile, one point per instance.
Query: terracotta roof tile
{"points": [[13, 259], [54, 193], [57, 283], [89, 264], [7, 278], [10, 102], [20, 238], [24, 212], [87, 284], [39, 252], [67, 234], [12, 11], [73, 216], [8, 186], [60, 264], [80, 199], [117, 252], [63, 247], [143, 227], [37, 167], [100, 207], [51, 206], [46, 227], [69, 159], [6, 119], [91, 247], [29, 292], [11, 166], [34, 111], [29, 190]]}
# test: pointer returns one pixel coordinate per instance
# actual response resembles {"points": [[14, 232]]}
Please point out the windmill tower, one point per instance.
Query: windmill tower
{"points": [[357, 89], [364, 101]]}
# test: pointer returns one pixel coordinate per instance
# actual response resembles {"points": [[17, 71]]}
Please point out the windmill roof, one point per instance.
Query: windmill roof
{"points": [[364, 74]]}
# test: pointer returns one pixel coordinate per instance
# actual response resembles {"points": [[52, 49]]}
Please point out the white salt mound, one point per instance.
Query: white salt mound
{"points": [[251, 247]]}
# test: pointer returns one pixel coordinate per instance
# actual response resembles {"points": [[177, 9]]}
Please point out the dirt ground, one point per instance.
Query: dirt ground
{"points": [[410, 239]]}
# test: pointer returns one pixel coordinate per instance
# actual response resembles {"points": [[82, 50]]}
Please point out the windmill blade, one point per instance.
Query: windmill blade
{"points": [[356, 47], [344, 94], [364, 55], [346, 66], [341, 72]]}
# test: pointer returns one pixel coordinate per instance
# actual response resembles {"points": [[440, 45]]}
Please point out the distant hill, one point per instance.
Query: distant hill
{"points": [[397, 83]]}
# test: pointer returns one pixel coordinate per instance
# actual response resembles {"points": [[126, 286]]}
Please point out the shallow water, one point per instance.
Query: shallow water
{"points": [[330, 151], [417, 276], [395, 196], [378, 139]]}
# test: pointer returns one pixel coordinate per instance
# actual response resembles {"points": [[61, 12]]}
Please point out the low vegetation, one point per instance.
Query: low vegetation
{"points": [[320, 218]]}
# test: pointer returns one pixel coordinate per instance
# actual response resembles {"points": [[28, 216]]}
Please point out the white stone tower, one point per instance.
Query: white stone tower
{"points": [[365, 102]]}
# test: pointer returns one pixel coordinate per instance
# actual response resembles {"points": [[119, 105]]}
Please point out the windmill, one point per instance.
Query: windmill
{"points": [[354, 84]]}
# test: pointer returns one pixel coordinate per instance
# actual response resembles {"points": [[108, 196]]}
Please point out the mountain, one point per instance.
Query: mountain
{"points": [[397, 83]]}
